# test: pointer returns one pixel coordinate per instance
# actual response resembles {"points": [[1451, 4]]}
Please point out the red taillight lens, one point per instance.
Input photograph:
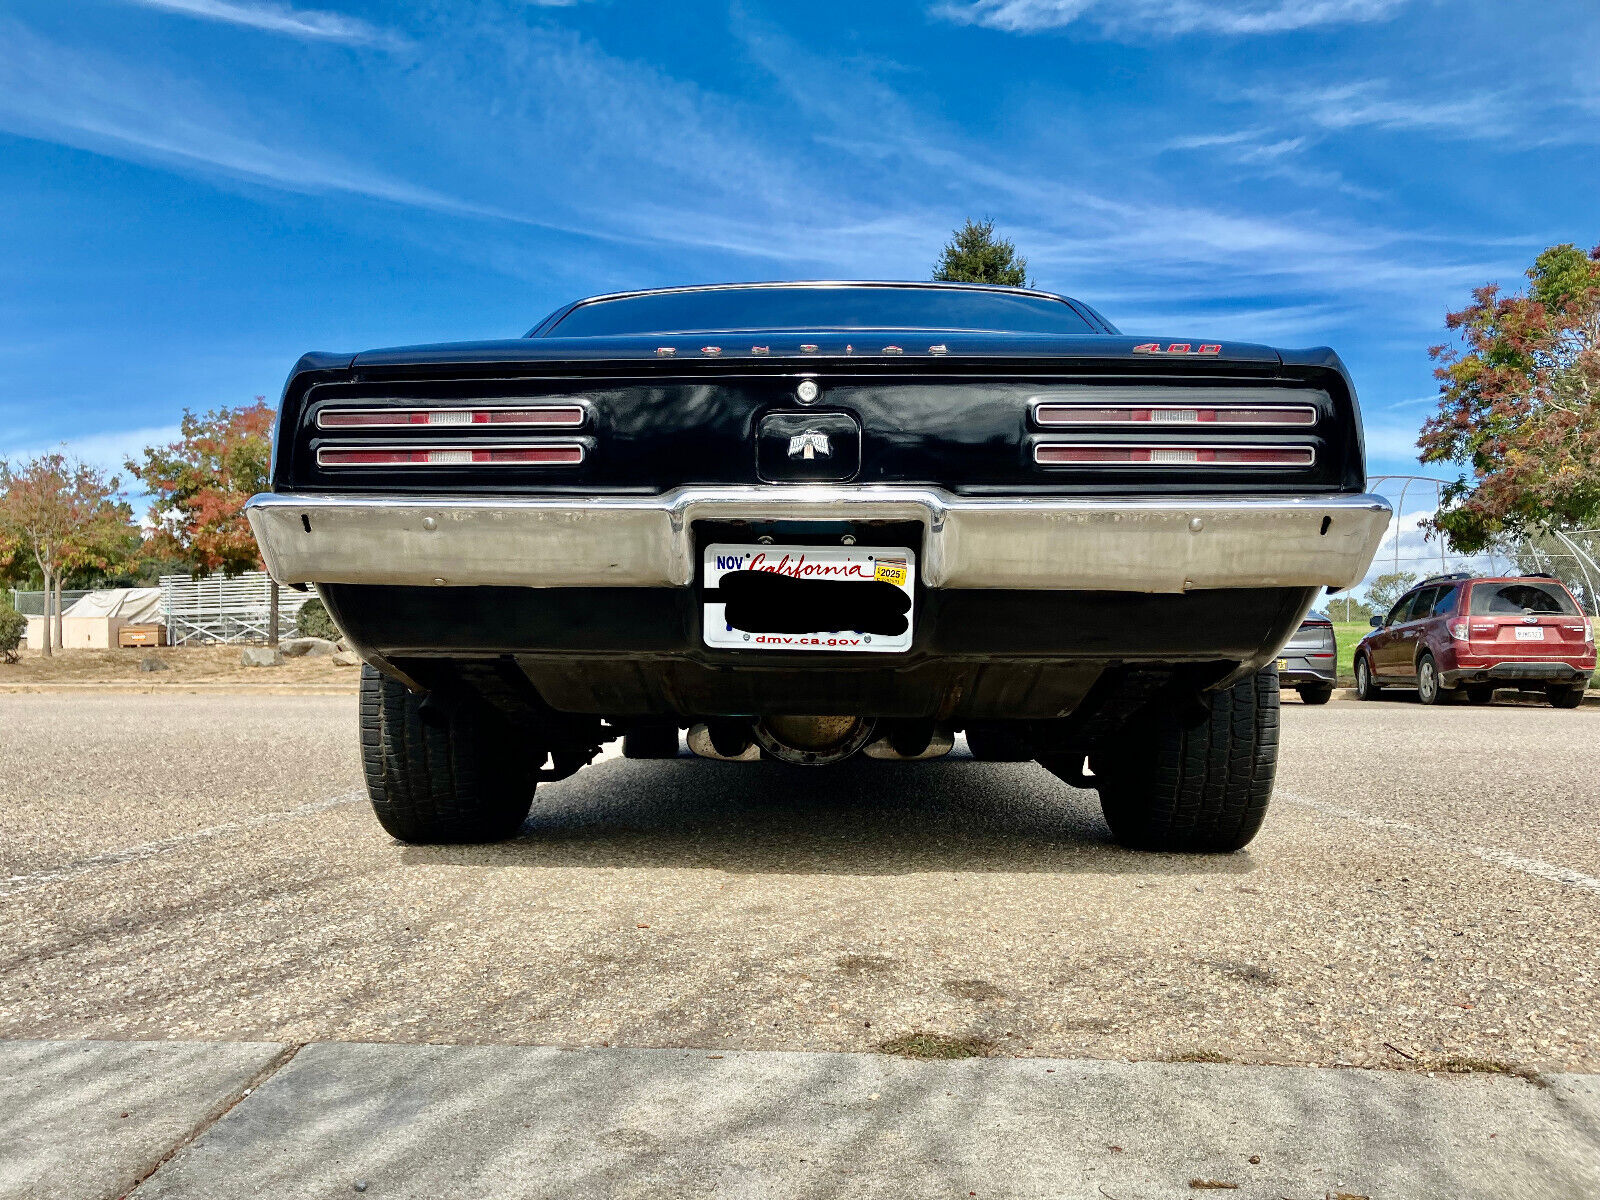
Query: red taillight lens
{"points": [[553, 455], [1238, 415], [1101, 454], [553, 416]]}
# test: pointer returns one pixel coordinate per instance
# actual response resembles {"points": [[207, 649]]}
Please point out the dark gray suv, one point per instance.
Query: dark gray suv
{"points": [[1309, 662]]}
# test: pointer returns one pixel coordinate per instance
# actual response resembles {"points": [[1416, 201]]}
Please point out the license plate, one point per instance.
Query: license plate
{"points": [[1283, 664], [1530, 633], [855, 599]]}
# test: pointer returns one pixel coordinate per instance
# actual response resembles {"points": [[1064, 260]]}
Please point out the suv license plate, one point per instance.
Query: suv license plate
{"points": [[1533, 633], [851, 599]]}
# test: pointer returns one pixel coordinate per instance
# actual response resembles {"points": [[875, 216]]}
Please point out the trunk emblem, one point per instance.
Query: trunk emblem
{"points": [[810, 445]]}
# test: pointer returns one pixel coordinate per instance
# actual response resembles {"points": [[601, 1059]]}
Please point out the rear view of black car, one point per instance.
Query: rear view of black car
{"points": [[1308, 661], [798, 522]]}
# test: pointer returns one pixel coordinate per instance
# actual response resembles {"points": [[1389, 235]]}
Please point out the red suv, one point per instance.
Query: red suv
{"points": [[1459, 634]]}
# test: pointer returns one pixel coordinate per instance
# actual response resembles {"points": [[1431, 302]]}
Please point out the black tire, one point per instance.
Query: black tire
{"points": [[1430, 688], [1569, 696], [1480, 693], [1366, 686], [650, 741], [1315, 693], [1202, 789], [461, 775]]}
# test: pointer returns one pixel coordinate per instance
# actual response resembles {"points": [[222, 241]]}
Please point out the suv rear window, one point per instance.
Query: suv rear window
{"points": [[1515, 599]]}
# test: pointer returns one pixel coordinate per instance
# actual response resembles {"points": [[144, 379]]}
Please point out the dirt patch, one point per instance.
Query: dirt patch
{"points": [[187, 666], [973, 989]]}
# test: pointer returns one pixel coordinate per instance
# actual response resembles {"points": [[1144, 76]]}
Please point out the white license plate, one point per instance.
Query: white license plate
{"points": [[773, 590], [1533, 633]]}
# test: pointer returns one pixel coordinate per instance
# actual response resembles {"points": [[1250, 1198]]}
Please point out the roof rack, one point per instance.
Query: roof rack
{"points": [[1452, 577], [1537, 575]]}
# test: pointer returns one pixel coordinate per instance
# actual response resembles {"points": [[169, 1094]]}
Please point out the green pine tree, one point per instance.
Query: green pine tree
{"points": [[976, 255]]}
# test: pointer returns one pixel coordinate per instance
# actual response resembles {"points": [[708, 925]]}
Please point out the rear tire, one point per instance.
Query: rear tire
{"points": [[1569, 696], [1366, 687], [1430, 690], [1315, 693], [461, 775], [1204, 788]]}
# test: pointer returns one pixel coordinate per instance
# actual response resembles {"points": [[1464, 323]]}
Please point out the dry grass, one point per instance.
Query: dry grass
{"points": [[936, 1045], [208, 665]]}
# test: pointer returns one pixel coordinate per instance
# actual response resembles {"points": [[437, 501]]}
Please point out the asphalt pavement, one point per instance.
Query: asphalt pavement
{"points": [[1424, 897]]}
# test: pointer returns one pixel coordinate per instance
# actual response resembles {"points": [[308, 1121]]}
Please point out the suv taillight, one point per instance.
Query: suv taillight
{"points": [[1458, 630]]}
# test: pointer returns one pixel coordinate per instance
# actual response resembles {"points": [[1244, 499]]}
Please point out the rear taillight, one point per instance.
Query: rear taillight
{"points": [[1235, 415], [549, 416], [1458, 630], [1102, 454], [549, 454]]}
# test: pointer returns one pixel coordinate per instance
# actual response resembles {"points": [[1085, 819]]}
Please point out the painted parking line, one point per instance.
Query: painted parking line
{"points": [[1536, 867]]}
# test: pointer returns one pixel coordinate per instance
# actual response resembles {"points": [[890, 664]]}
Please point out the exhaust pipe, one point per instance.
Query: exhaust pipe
{"points": [[911, 743], [728, 742]]}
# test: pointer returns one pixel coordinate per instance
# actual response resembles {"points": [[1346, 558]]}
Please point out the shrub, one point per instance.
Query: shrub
{"points": [[12, 626], [313, 621]]}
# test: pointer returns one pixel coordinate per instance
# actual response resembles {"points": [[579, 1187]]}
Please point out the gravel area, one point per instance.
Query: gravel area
{"points": [[1423, 896]]}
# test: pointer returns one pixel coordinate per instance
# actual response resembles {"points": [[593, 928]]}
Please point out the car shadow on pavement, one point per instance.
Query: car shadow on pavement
{"points": [[861, 817]]}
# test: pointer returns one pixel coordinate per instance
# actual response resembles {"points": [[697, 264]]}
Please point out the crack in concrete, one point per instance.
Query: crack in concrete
{"points": [[227, 1105]]}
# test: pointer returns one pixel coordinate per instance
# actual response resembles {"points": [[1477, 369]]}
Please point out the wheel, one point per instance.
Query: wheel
{"points": [[1567, 696], [1480, 693], [1429, 689], [462, 774], [650, 741], [1203, 788], [996, 743], [1366, 686], [1315, 693]]}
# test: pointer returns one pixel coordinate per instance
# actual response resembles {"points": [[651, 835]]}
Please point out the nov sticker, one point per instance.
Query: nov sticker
{"points": [[890, 570]]}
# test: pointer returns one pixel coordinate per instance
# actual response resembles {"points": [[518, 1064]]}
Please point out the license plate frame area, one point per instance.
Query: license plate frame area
{"points": [[815, 596]]}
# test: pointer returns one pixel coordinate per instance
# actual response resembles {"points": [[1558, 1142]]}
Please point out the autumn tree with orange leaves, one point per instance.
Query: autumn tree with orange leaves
{"points": [[199, 485], [1519, 406]]}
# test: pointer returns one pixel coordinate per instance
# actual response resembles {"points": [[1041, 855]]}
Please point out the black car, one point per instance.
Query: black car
{"points": [[804, 521], [1308, 662]]}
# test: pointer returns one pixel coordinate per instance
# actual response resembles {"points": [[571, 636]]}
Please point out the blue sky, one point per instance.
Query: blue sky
{"points": [[196, 191]]}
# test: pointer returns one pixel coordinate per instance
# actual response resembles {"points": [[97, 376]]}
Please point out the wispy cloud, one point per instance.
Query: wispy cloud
{"points": [[109, 450], [554, 123], [1168, 18], [278, 18], [1373, 103]]}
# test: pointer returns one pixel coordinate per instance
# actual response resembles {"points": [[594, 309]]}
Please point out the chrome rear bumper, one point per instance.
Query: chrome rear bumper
{"points": [[1138, 545]]}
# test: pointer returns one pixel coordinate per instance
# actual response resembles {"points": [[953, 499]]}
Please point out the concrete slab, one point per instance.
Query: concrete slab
{"points": [[429, 1121], [90, 1119]]}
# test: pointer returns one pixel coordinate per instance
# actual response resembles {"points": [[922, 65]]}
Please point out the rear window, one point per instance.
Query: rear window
{"points": [[1521, 598], [716, 310]]}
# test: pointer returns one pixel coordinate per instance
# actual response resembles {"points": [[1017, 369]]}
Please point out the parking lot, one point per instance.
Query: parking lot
{"points": [[1425, 895]]}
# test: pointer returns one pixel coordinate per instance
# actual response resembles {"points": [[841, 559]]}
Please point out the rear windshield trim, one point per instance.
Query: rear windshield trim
{"points": [[819, 306]]}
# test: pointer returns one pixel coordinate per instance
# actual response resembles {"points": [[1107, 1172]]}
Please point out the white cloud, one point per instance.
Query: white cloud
{"points": [[1168, 18], [1371, 103], [277, 18], [108, 449]]}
